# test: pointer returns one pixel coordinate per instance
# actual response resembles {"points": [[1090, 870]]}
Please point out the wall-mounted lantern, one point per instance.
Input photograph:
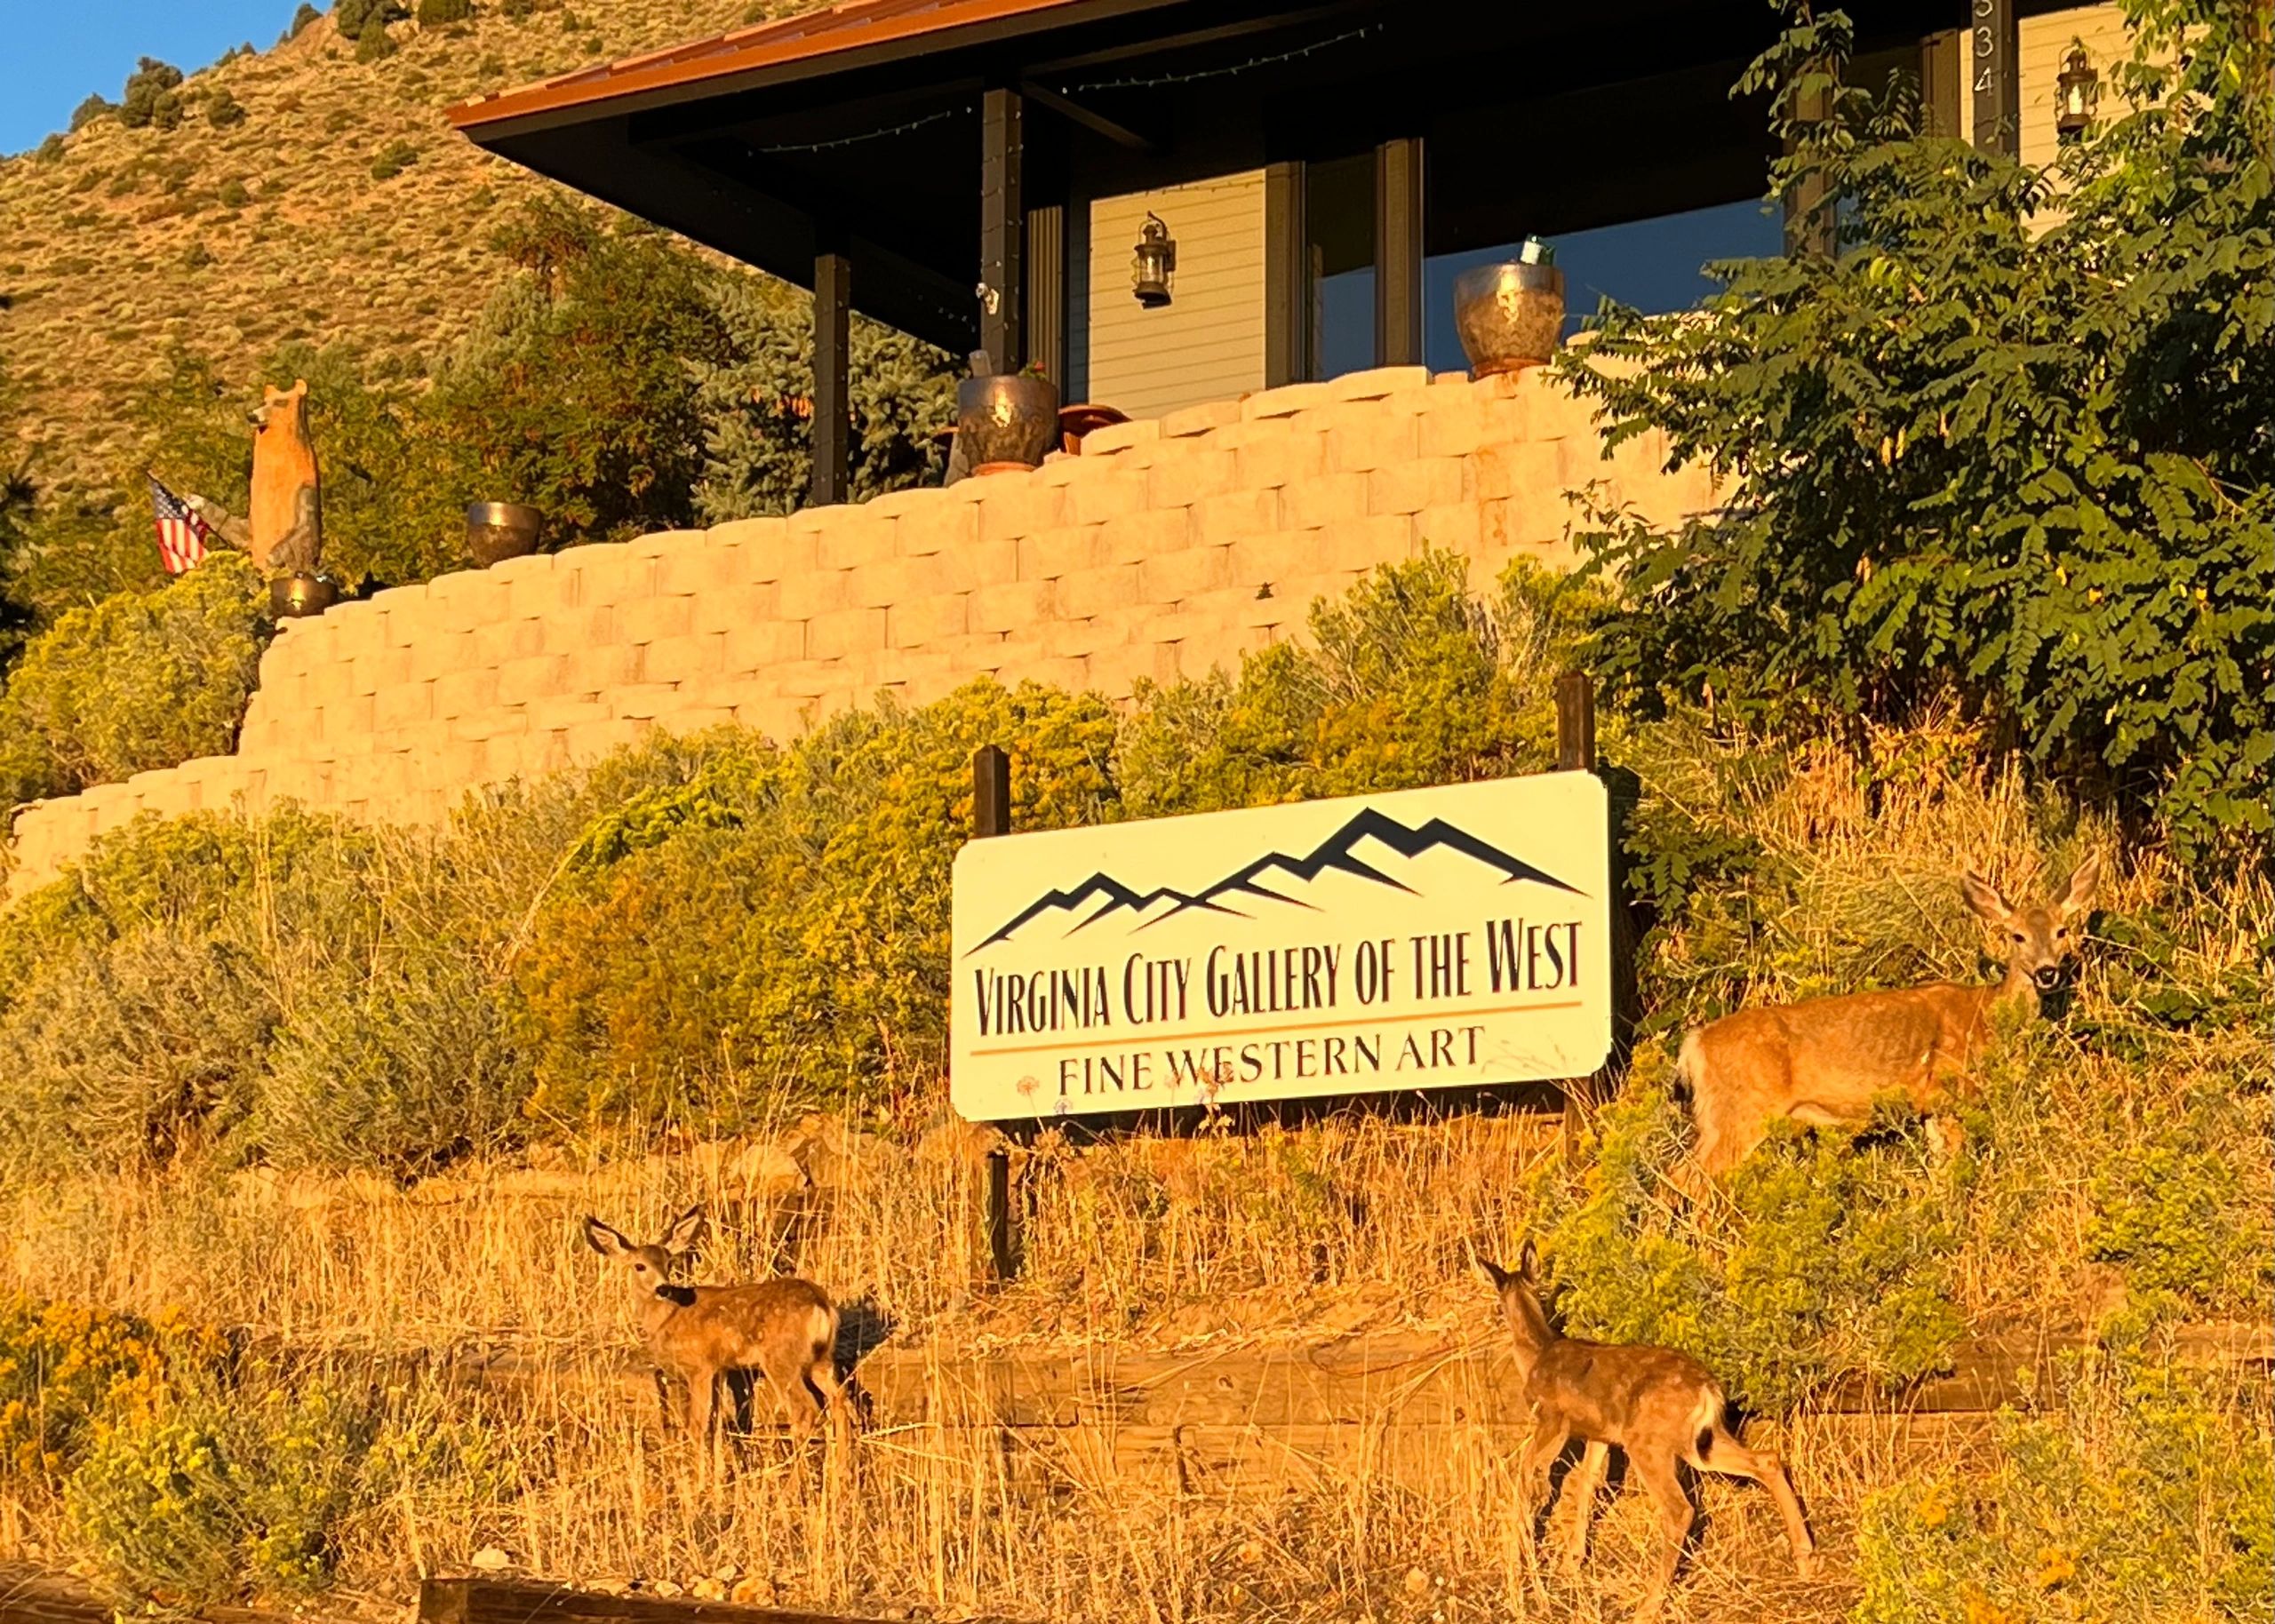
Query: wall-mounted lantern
{"points": [[2074, 96], [1156, 262]]}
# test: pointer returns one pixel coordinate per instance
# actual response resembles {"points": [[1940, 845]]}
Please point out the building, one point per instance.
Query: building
{"points": [[977, 171]]}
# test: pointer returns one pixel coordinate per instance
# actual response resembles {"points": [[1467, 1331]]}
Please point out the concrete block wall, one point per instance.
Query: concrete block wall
{"points": [[1148, 555]]}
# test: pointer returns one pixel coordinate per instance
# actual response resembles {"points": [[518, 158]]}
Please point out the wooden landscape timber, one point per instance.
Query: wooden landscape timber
{"points": [[1324, 1398], [533, 1601]]}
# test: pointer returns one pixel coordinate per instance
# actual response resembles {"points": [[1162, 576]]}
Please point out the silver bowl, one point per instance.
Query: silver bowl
{"points": [[496, 532]]}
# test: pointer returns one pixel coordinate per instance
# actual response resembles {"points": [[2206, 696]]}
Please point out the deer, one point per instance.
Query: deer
{"points": [[1660, 1407], [784, 1329], [1823, 1062]]}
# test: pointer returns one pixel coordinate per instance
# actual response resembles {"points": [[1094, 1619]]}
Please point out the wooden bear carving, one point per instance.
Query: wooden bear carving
{"points": [[287, 515]]}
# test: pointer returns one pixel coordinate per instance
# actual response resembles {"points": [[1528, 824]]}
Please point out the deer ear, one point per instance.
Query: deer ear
{"points": [[1494, 1272], [1985, 898], [685, 1230], [1528, 1265], [604, 1240], [2077, 895]]}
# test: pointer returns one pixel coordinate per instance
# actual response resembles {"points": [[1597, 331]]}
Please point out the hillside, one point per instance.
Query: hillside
{"points": [[340, 208]]}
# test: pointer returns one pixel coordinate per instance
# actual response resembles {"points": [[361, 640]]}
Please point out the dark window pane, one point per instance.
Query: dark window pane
{"points": [[1339, 223]]}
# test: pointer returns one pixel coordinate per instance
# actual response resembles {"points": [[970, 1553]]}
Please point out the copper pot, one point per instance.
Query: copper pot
{"points": [[300, 592], [1007, 421], [1510, 315], [496, 532]]}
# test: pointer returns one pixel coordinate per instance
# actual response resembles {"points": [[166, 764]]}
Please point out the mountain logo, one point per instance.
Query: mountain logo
{"points": [[1103, 894]]}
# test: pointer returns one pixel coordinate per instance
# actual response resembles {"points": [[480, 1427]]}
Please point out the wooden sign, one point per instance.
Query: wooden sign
{"points": [[1420, 939]]}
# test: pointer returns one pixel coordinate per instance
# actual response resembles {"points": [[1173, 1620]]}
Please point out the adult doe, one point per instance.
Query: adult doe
{"points": [[1824, 1061], [1659, 1407], [784, 1329]]}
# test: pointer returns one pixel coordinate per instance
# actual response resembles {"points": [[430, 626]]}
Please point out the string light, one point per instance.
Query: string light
{"points": [[1223, 73], [1095, 84], [873, 135]]}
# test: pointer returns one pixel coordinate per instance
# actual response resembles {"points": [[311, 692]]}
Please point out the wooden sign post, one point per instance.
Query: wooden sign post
{"points": [[990, 814]]}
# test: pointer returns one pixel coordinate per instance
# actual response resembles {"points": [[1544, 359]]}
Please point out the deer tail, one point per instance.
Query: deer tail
{"points": [[1705, 1422], [1690, 1064]]}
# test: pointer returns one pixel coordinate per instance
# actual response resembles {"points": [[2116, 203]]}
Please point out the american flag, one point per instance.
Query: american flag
{"points": [[181, 533]]}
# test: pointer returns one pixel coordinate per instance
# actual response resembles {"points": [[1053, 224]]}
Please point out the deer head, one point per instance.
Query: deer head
{"points": [[649, 1267], [1521, 1305], [2038, 938]]}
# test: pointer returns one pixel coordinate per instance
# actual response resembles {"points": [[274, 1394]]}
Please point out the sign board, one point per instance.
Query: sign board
{"points": [[1418, 939]]}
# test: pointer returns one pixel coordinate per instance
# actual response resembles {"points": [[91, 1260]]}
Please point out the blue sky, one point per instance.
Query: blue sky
{"points": [[55, 51]]}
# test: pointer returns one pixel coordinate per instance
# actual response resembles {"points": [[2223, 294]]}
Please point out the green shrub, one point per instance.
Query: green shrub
{"points": [[353, 17], [223, 110], [758, 449], [49, 150], [2151, 1497], [784, 918], [92, 109], [436, 14], [1958, 461], [2179, 1220], [225, 1494], [133, 1053], [138, 680], [1412, 681], [233, 193], [302, 16], [393, 159], [374, 44], [153, 97], [1829, 1259]]}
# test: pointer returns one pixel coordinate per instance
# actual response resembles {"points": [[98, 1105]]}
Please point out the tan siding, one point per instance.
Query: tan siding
{"points": [[1207, 345], [2045, 42]]}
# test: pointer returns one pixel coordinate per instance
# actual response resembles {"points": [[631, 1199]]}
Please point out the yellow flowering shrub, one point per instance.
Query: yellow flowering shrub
{"points": [[66, 1368]]}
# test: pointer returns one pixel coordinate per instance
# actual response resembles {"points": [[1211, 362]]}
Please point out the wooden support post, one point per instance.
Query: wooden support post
{"points": [[1003, 230], [1994, 76], [832, 372], [991, 816], [1398, 252], [1286, 293], [1576, 723], [1576, 752]]}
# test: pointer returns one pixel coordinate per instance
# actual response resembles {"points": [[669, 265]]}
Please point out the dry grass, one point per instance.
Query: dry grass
{"points": [[96, 247], [1284, 1236]]}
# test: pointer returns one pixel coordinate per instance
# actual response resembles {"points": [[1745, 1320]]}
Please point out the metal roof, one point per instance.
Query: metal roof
{"points": [[810, 37]]}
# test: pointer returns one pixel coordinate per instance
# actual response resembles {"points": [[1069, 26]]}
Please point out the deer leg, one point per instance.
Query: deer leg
{"points": [[1540, 1452], [821, 1380], [1733, 1459], [702, 1385], [1947, 1137], [1581, 1487], [662, 1399], [1675, 1514]]}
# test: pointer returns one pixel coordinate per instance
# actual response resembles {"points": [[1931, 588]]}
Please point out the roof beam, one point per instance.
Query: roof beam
{"points": [[1074, 112]]}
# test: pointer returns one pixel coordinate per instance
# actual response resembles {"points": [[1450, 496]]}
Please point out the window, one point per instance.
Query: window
{"points": [[1655, 264], [1339, 264]]}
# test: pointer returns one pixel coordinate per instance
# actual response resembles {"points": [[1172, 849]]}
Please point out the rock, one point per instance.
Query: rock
{"points": [[728, 1574], [755, 1591], [955, 1141], [766, 1170], [709, 1590], [665, 1588], [490, 1560]]}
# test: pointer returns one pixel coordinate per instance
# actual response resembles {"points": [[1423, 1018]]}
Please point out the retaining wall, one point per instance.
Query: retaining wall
{"points": [[1166, 548]]}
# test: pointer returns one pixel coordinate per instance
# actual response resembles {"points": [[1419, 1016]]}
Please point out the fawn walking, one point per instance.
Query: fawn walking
{"points": [[1658, 1405], [1824, 1061], [784, 1329]]}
